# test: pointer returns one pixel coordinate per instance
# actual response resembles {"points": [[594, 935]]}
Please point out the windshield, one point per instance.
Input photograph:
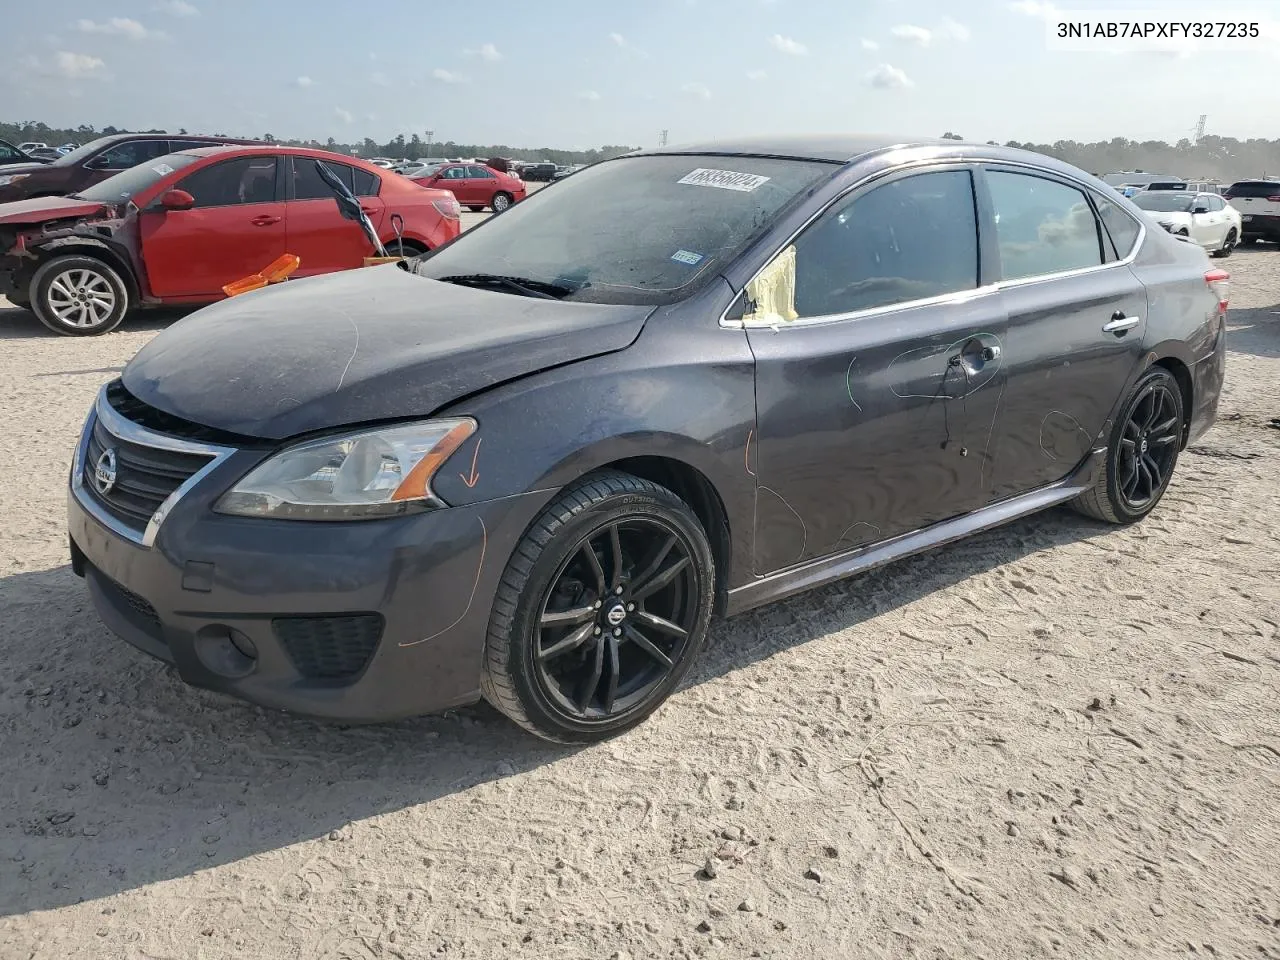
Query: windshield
{"points": [[1165, 202], [126, 184], [640, 230]]}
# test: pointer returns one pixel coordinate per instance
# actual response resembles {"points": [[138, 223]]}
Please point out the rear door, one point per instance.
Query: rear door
{"points": [[875, 404], [1077, 315], [236, 228], [482, 184], [318, 234]]}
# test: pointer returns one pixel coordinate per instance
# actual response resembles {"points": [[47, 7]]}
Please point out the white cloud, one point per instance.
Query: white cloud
{"points": [[490, 53], [590, 95], [869, 44], [346, 116], [787, 45], [953, 30], [618, 39], [379, 79], [1034, 8], [70, 66], [913, 34], [447, 76], [118, 27], [888, 77], [177, 8], [304, 82], [757, 75], [698, 90]]}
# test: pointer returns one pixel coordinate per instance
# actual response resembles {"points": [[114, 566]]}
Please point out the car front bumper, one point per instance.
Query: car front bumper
{"points": [[358, 621]]}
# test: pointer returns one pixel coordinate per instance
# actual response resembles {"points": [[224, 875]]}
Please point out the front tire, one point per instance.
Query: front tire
{"points": [[78, 296], [1142, 452], [601, 610], [501, 202]]}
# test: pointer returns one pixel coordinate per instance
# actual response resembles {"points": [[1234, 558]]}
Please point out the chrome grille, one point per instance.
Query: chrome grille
{"points": [[145, 475]]}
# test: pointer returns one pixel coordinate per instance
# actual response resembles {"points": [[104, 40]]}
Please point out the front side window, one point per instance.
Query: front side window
{"points": [[132, 153], [128, 183], [232, 182], [455, 173], [307, 183], [1042, 226], [9, 153], [906, 240]]}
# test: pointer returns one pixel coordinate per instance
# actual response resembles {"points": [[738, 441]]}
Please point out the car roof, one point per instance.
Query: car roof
{"points": [[833, 148], [246, 148]]}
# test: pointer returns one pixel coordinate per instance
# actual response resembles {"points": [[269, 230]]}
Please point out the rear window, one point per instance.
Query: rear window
{"points": [[1254, 188], [1165, 202], [640, 230]]}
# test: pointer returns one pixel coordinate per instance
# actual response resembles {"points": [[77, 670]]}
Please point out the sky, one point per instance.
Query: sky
{"points": [[576, 74]]}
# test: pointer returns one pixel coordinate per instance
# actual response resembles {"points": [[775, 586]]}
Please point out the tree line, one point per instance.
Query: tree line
{"points": [[1210, 157], [400, 147]]}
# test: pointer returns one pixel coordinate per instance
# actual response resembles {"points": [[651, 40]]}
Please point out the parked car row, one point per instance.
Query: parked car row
{"points": [[177, 228]]}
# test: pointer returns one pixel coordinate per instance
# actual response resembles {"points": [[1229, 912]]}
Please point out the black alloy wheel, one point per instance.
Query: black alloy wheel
{"points": [[1149, 445], [601, 611], [616, 619], [1141, 454]]}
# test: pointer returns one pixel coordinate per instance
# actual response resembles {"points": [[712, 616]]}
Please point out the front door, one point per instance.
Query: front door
{"points": [[317, 233], [875, 404], [455, 180], [236, 228], [1077, 316]]}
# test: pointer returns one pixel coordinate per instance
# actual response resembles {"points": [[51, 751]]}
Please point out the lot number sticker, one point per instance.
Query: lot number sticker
{"points": [[687, 256], [724, 179]]}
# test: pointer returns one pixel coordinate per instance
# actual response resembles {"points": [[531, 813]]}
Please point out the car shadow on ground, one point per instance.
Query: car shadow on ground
{"points": [[19, 324], [1255, 331], [119, 775]]}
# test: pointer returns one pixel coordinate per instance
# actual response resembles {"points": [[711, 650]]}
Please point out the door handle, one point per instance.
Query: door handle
{"points": [[263, 220], [1120, 323], [369, 210]]}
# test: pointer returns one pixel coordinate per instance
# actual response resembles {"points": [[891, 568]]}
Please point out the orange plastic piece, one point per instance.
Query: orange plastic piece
{"points": [[281, 267], [255, 282]]}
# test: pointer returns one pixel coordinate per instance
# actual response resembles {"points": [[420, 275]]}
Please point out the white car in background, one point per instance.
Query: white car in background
{"points": [[1203, 218]]}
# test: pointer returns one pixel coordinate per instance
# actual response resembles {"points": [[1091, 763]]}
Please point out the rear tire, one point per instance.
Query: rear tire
{"points": [[404, 248], [78, 296], [1141, 454], [603, 607], [473, 208], [1228, 244], [501, 201]]}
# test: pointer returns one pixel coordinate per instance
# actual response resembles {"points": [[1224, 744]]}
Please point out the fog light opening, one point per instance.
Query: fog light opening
{"points": [[226, 651]]}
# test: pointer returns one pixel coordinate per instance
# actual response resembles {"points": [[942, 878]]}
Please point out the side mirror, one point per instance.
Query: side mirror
{"points": [[1199, 208], [177, 200], [98, 163]]}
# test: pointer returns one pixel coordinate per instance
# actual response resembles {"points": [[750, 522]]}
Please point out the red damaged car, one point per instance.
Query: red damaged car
{"points": [[176, 229]]}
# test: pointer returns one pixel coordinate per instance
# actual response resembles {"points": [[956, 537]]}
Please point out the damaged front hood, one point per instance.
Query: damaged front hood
{"points": [[43, 209], [374, 343]]}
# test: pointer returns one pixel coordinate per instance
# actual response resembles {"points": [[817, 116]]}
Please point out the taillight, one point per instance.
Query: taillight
{"points": [[449, 209], [1219, 283], [1275, 198]]}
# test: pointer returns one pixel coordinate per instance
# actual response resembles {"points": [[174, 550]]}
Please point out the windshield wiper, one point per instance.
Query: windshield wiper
{"points": [[522, 285]]}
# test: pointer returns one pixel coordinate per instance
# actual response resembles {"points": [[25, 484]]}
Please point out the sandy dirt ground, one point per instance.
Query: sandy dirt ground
{"points": [[1055, 739]]}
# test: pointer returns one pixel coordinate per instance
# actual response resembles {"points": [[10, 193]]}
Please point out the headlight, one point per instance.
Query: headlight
{"points": [[373, 473], [12, 178]]}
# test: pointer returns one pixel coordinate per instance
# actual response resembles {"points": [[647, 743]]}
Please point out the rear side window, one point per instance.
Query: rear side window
{"points": [[367, 184], [1121, 227], [1042, 226], [244, 180], [479, 173], [307, 184], [907, 240], [1254, 189]]}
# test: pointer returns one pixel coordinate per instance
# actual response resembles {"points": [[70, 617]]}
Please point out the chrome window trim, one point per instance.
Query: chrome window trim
{"points": [[958, 296], [125, 429]]}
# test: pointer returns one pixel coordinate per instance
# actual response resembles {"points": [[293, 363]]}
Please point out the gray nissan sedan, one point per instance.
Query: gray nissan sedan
{"points": [[533, 463]]}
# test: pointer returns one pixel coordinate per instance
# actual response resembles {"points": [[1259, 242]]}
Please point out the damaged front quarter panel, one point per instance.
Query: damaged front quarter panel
{"points": [[26, 243]]}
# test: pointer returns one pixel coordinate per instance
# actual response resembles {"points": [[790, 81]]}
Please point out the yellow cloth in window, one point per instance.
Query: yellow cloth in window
{"points": [[774, 291]]}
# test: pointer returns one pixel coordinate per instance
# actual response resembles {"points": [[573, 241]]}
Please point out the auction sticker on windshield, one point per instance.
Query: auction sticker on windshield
{"points": [[163, 169], [724, 179]]}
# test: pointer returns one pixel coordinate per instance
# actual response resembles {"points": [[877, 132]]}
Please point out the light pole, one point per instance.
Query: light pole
{"points": [[430, 134]]}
